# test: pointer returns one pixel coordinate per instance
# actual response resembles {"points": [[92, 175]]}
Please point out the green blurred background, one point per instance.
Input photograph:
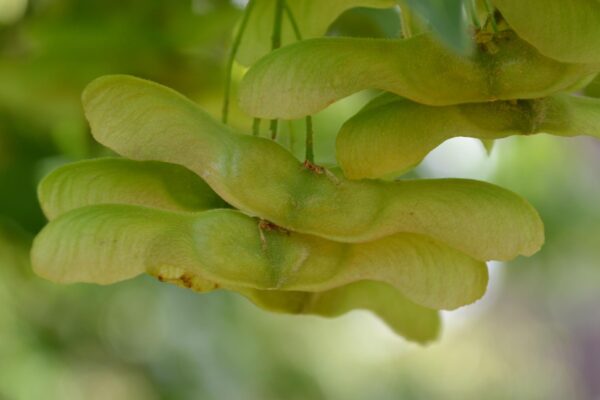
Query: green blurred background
{"points": [[536, 334]]}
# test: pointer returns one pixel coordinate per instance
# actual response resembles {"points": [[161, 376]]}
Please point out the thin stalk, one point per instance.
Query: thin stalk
{"points": [[292, 19], [309, 127], [472, 10], [273, 126], [490, 11], [275, 44], [232, 54], [276, 36], [405, 20], [310, 153]]}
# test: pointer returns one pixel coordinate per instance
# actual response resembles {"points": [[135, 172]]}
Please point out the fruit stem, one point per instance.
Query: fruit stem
{"points": [[275, 44], [310, 153], [292, 19], [490, 11], [472, 10], [405, 20], [231, 59], [309, 127]]}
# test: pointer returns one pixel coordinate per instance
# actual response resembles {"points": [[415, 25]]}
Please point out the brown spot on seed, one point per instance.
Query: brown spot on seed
{"points": [[313, 167], [270, 226], [186, 280]]}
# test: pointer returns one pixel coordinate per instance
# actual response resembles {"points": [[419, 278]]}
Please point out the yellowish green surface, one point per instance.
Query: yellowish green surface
{"points": [[534, 334]]}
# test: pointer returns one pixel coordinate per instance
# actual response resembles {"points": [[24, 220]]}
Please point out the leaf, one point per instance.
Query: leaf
{"points": [[398, 134], [146, 121], [109, 243], [289, 83], [568, 31], [312, 16], [121, 181], [407, 319], [447, 20]]}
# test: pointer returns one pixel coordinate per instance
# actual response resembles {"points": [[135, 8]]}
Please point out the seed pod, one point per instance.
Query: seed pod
{"points": [[121, 181], [109, 243], [152, 184], [289, 84], [145, 121], [567, 31], [407, 319], [393, 134]]}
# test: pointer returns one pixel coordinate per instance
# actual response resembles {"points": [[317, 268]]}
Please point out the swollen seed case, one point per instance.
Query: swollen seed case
{"points": [[198, 204]]}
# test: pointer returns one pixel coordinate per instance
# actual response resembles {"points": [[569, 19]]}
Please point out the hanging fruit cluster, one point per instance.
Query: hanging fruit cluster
{"points": [[200, 205]]}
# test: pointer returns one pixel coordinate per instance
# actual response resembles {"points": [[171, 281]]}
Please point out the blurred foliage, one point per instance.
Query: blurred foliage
{"points": [[536, 336], [48, 57]]}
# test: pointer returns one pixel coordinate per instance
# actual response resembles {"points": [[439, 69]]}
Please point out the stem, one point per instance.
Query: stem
{"points": [[273, 125], [310, 153], [276, 37], [292, 20], [472, 10], [405, 20], [233, 52], [490, 11], [256, 127], [275, 44]]}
